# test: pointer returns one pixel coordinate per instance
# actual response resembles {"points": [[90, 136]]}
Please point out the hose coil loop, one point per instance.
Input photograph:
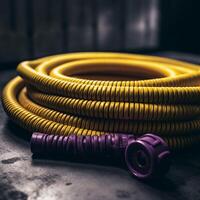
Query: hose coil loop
{"points": [[98, 93]]}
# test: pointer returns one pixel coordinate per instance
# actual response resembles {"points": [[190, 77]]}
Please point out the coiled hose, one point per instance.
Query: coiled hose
{"points": [[98, 93]]}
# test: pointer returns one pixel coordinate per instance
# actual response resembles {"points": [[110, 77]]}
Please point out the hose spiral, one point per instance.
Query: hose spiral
{"points": [[99, 93]]}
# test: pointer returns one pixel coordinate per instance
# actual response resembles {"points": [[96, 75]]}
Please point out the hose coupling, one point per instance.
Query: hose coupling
{"points": [[146, 157]]}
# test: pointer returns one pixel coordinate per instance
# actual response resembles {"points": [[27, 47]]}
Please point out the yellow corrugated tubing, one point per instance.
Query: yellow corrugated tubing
{"points": [[97, 93]]}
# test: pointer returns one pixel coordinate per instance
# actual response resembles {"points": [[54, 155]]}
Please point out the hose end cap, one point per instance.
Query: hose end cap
{"points": [[36, 141], [147, 157]]}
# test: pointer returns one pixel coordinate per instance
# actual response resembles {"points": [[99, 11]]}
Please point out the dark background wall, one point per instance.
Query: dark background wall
{"points": [[35, 28], [180, 25]]}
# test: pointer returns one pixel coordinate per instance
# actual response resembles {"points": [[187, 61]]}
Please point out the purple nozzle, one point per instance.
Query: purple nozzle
{"points": [[146, 156]]}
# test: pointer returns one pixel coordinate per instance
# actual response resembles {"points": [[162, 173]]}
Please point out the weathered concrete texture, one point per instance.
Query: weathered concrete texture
{"points": [[22, 177]]}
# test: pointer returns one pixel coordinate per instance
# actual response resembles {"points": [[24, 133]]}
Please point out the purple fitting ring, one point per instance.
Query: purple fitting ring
{"points": [[147, 156]]}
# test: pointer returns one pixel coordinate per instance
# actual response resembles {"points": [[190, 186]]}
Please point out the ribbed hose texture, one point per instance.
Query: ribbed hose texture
{"points": [[102, 93]]}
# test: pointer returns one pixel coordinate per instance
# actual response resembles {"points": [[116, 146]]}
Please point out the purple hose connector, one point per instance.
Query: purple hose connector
{"points": [[146, 157]]}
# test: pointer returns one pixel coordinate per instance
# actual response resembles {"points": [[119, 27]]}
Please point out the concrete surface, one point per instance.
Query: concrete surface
{"points": [[24, 177]]}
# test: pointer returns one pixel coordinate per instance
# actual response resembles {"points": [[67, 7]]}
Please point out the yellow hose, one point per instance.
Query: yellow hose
{"points": [[96, 93]]}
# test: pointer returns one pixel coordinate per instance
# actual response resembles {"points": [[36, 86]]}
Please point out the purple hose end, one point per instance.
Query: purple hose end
{"points": [[148, 156], [35, 143], [73, 145]]}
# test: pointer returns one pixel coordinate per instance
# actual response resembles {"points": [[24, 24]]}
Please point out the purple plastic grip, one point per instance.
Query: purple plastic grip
{"points": [[146, 157], [42, 143]]}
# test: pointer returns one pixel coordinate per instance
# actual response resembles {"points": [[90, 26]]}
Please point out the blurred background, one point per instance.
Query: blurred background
{"points": [[36, 28]]}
